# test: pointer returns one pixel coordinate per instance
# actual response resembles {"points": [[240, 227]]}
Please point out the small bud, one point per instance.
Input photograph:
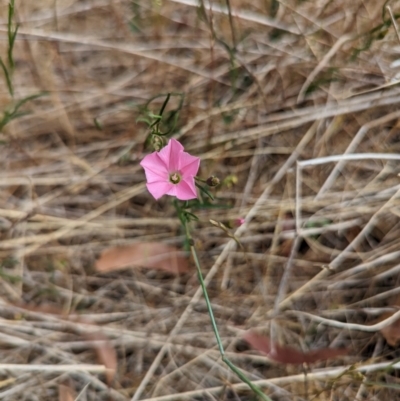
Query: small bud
{"points": [[212, 181], [230, 181], [239, 222], [157, 143]]}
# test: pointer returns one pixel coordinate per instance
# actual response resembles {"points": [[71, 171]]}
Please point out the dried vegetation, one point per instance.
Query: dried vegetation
{"points": [[271, 90]]}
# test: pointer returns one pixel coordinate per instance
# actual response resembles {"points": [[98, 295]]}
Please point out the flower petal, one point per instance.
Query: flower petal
{"points": [[188, 164], [154, 168], [172, 191], [186, 189], [171, 154], [160, 188]]}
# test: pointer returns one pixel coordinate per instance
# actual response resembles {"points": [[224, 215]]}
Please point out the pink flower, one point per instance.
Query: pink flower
{"points": [[171, 171]]}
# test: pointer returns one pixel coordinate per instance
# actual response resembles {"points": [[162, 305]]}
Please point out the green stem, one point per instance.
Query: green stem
{"points": [[164, 104], [257, 390]]}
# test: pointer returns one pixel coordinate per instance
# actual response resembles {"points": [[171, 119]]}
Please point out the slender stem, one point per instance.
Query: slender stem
{"points": [[205, 293], [257, 390], [228, 3], [164, 104]]}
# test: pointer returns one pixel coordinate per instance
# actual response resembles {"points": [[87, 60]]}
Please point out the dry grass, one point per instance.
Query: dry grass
{"points": [[270, 93]]}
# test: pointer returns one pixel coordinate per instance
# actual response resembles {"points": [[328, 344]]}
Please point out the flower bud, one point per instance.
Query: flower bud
{"points": [[239, 221], [157, 143], [212, 181]]}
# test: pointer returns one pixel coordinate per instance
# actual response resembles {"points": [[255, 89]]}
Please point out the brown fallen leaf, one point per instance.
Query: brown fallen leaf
{"points": [[65, 393], [153, 255], [105, 352], [285, 247], [391, 333], [287, 224], [289, 355]]}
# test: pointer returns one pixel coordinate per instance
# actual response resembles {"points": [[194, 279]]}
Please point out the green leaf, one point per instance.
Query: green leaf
{"points": [[204, 190], [15, 113]]}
